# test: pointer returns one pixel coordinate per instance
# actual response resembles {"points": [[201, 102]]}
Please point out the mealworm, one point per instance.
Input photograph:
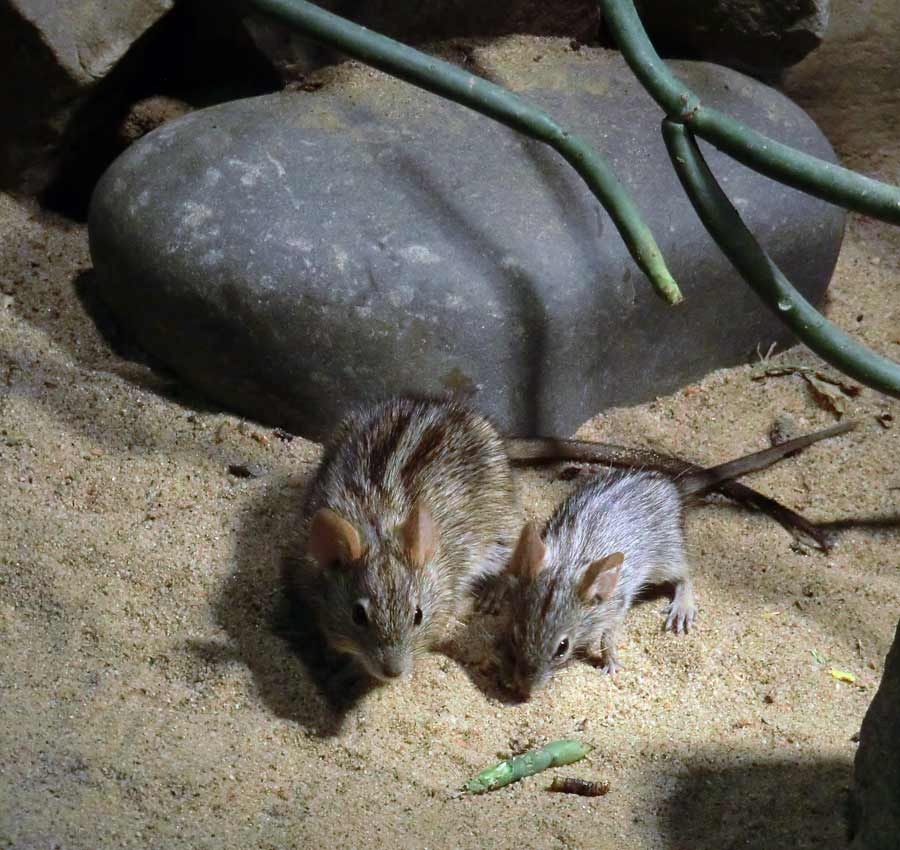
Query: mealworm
{"points": [[570, 785]]}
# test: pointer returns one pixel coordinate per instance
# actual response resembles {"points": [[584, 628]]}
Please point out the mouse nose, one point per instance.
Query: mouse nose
{"points": [[395, 667], [520, 690]]}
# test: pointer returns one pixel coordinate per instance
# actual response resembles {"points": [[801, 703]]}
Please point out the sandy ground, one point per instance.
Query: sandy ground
{"points": [[148, 701]]}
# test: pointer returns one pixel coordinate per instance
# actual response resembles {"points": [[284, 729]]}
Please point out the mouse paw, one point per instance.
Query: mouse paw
{"points": [[610, 665], [680, 616]]}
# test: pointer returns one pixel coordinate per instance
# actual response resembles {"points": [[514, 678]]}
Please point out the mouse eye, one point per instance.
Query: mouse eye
{"points": [[417, 617], [562, 649], [360, 617]]}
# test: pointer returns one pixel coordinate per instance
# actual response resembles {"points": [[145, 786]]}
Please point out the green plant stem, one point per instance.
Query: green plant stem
{"points": [[495, 102], [756, 267], [808, 173], [554, 754]]}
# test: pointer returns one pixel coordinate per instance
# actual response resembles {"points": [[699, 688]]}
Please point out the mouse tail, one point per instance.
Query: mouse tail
{"points": [[691, 480], [696, 482], [535, 451]]}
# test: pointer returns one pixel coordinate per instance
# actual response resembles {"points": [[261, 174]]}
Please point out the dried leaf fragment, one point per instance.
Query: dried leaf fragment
{"points": [[825, 394], [842, 675]]}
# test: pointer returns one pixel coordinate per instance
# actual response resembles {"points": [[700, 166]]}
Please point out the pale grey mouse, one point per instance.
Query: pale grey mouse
{"points": [[413, 504], [614, 536]]}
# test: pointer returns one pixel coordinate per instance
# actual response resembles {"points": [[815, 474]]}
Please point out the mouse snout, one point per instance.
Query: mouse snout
{"points": [[396, 665], [521, 684], [521, 691]]}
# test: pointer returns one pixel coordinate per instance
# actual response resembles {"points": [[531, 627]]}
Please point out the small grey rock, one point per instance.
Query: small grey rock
{"points": [[784, 428]]}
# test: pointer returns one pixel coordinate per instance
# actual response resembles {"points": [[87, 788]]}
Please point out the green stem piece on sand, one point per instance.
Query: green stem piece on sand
{"points": [[556, 753], [495, 102]]}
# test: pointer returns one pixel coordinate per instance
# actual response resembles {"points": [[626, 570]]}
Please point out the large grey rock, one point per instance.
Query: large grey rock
{"points": [[875, 810], [760, 37], [292, 254], [55, 53]]}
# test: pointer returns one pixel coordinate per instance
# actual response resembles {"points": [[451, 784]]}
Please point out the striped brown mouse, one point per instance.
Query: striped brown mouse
{"points": [[413, 507]]}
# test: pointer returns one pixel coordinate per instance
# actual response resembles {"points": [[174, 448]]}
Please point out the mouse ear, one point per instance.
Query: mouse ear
{"points": [[332, 539], [600, 578], [529, 554], [419, 536]]}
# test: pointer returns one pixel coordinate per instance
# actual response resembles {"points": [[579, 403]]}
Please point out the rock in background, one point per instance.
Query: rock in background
{"points": [[78, 76], [75, 67], [56, 54], [415, 22], [875, 801], [758, 37]]}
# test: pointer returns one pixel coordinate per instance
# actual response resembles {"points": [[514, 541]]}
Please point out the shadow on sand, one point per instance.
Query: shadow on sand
{"points": [[759, 805], [273, 631]]}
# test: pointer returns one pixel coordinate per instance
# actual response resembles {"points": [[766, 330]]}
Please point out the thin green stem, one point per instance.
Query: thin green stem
{"points": [[495, 102], [756, 267], [808, 173]]}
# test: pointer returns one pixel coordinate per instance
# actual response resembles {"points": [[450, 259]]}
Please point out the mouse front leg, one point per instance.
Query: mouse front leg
{"points": [[604, 654], [682, 610]]}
